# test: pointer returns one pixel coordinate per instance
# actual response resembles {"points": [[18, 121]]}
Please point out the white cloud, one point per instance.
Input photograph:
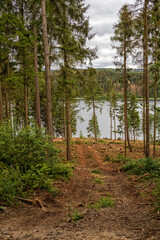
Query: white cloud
{"points": [[103, 15]]}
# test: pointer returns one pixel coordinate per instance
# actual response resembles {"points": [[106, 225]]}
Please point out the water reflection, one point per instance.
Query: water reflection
{"points": [[103, 119]]}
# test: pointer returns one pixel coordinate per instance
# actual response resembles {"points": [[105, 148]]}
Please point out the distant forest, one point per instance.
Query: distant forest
{"points": [[107, 76]]}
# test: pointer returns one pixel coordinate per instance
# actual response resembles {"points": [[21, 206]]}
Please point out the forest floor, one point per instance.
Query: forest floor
{"points": [[132, 217]]}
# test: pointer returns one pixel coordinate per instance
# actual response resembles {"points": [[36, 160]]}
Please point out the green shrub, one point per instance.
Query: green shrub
{"points": [[107, 158], [98, 180], [156, 193], [104, 202], [142, 166], [14, 183], [10, 185], [28, 147], [120, 158], [28, 161], [97, 171], [61, 170], [77, 216]]}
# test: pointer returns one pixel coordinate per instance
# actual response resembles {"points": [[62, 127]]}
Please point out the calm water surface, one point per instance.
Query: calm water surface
{"points": [[103, 119]]}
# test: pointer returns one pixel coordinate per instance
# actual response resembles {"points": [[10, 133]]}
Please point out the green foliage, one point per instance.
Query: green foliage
{"points": [[2, 208], [97, 171], [133, 114], [28, 161], [121, 159], [106, 159], [101, 141], [105, 202], [29, 146], [142, 166], [98, 180], [156, 193], [10, 185], [91, 128], [61, 171], [77, 216]]}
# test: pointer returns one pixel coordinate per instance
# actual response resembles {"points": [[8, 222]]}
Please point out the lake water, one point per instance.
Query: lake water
{"points": [[103, 119]]}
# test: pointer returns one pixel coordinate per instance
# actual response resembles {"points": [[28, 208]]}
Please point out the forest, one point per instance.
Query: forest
{"points": [[46, 67]]}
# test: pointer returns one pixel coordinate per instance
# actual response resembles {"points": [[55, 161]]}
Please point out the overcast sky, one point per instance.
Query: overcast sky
{"points": [[103, 14]]}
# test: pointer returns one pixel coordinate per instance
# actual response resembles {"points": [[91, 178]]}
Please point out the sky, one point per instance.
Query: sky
{"points": [[102, 16]]}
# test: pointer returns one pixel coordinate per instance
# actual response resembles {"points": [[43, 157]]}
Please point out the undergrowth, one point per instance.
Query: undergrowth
{"points": [[146, 165], [97, 171], [142, 166], [28, 161], [77, 216], [105, 202], [98, 181]]}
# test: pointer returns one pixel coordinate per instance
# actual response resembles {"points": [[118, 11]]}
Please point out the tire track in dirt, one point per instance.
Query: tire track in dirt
{"points": [[132, 217]]}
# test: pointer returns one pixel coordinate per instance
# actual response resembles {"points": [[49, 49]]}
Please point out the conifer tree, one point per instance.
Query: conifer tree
{"points": [[123, 33], [92, 97], [72, 32], [47, 70], [154, 45], [147, 152]]}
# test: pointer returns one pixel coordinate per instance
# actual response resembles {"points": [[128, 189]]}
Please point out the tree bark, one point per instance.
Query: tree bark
{"points": [[6, 105], [94, 121], [114, 123], [24, 77], [38, 112], [155, 103], [62, 122], [110, 121], [1, 104], [147, 153], [47, 71], [26, 101], [68, 125], [155, 114], [144, 109], [125, 103]]}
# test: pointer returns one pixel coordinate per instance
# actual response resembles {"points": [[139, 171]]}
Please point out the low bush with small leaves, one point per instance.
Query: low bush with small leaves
{"points": [[98, 181], [105, 202], [156, 193], [146, 165], [77, 216], [28, 161], [142, 166], [97, 171]]}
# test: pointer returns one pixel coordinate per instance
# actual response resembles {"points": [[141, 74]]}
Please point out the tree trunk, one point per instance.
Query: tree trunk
{"points": [[24, 77], [110, 121], [38, 113], [134, 132], [144, 110], [67, 108], [125, 103], [1, 104], [155, 113], [147, 153], [64, 117], [6, 105], [25, 100], [94, 122], [47, 72], [62, 123], [114, 123], [68, 125], [155, 104]]}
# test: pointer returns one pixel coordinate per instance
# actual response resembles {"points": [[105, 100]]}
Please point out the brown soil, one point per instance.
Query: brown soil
{"points": [[132, 217]]}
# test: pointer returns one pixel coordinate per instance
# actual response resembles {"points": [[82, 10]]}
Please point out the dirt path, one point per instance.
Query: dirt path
{"points": [[132, 217]]}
